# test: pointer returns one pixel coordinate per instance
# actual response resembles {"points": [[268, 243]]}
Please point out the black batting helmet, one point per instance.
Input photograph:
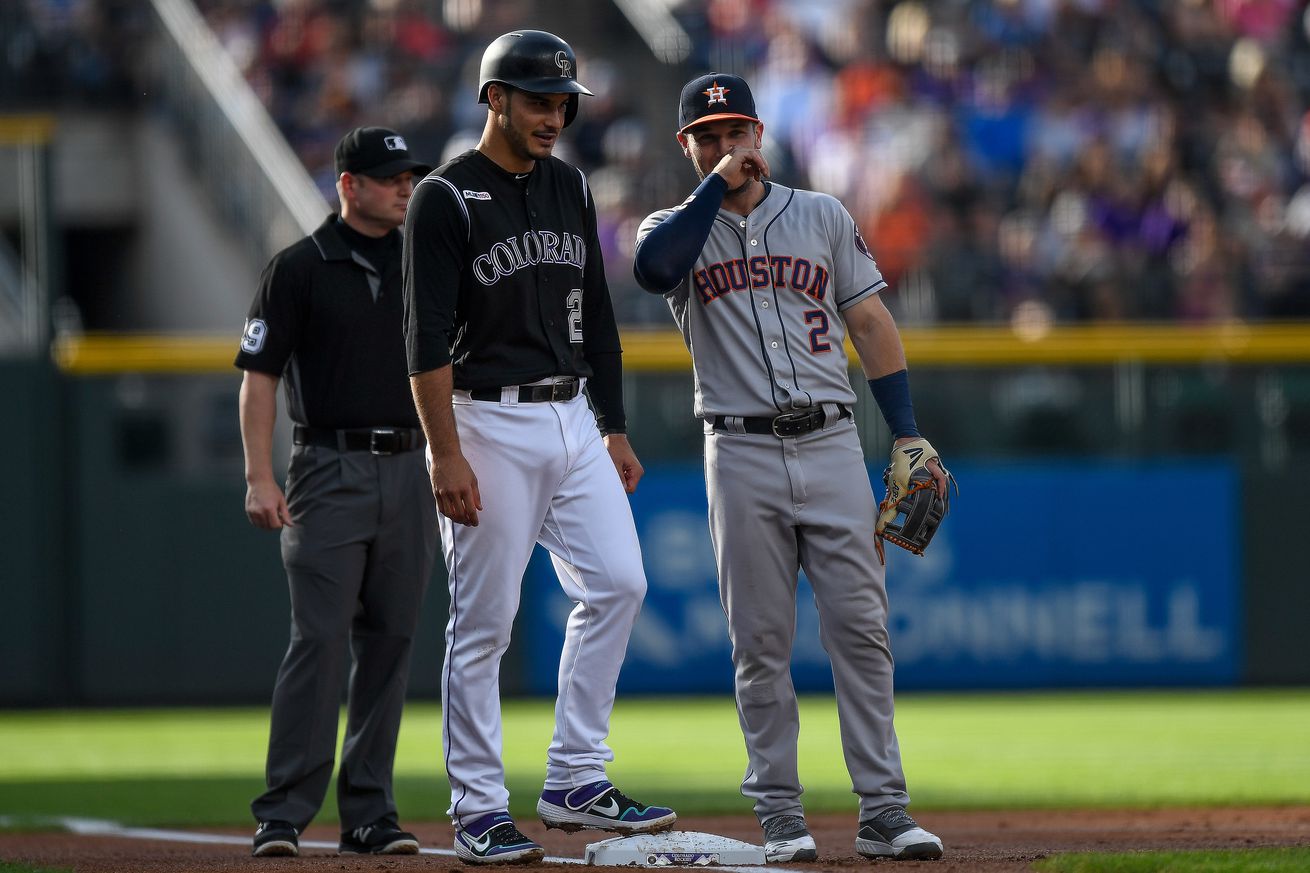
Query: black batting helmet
{"points": [[532, 60]]}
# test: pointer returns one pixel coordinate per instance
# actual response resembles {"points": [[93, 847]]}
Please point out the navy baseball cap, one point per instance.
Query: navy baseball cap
{"points": [[377, 152], [714, 96]]}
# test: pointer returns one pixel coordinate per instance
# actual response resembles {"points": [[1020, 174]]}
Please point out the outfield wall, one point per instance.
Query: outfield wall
{"points": [[1120, 523], [1051, 592]]}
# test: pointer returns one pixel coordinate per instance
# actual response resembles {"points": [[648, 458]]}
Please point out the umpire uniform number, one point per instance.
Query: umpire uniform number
{"points": [[326, 321]]}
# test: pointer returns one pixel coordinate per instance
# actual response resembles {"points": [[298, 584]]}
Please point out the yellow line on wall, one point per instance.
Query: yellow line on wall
{"points": [[102, 354], [663, 350], [26, 129], [1109, 344]]}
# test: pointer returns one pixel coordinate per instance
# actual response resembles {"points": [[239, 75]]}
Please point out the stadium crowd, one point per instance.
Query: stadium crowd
{"points": [[1076, 160], [1068, 160]]}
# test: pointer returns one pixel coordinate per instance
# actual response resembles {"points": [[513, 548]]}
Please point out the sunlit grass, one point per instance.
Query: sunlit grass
{"points": [[960, 751]]}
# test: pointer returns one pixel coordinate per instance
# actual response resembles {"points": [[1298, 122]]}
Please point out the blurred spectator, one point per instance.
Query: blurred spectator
{"points": [[1087, 159], [75, 51]]}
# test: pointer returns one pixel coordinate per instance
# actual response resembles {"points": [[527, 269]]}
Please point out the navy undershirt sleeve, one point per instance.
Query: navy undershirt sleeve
{"points": [[893, 395], [665, 256]]}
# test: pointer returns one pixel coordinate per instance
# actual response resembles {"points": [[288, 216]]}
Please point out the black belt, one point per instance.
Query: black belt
{"points": [[555, 392], [378, 440], [789, 424]]}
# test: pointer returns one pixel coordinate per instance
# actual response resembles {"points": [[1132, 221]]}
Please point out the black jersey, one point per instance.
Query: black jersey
{"points": [[329, 321], [504, 280]]}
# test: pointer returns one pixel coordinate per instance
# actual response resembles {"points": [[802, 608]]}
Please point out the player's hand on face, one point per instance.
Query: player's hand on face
{"points": [[266, 507], [741, 165], [456, 489], [625, 461]]}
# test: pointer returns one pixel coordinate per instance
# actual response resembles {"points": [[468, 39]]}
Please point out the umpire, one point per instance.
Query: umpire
{"points": [[358, 524]]}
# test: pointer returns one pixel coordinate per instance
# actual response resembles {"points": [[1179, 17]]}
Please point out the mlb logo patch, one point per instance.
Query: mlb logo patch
{"points": [[395, 143]]}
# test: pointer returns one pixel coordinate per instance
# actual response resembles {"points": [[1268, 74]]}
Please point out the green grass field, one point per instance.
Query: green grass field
{"points": [[201, 767], [1293, 860]]}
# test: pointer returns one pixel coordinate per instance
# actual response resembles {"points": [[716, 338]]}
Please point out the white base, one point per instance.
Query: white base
{"points": [[673, 849]]}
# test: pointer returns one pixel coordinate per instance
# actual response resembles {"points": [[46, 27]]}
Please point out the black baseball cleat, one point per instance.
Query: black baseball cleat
{"points": [[276, 838], [382, 837], [893, 834], [494, 839]]}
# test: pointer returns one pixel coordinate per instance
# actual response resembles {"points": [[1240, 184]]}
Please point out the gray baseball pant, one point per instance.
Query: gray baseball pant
{"points": [[778, 506]]}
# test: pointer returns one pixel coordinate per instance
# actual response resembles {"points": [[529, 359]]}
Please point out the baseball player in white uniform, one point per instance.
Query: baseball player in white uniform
{"points": [[766, 283], [507, 319]]}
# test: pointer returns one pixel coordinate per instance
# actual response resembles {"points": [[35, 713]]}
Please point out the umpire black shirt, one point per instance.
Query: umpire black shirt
{"points": [[328, 319], [504, 280]]}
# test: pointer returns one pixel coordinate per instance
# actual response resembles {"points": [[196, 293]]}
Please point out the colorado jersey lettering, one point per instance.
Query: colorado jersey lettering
{"points": [[505, 305], [535, 247]]}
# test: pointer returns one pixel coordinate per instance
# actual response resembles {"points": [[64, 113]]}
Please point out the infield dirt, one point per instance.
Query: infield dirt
{"points": [[985, 841]]}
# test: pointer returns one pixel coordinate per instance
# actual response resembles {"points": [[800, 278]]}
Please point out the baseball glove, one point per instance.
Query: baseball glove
{"points": [[912, 510]]}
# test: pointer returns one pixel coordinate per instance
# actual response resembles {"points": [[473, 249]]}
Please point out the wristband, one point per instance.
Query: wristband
{"points": [[892, 393]]}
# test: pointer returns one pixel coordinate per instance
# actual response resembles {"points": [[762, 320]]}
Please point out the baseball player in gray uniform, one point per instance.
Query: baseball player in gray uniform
{"points": [[766, 283]]}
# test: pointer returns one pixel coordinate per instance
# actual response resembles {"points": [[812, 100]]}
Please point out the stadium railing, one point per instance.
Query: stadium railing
{"points": [[25, 270], [250, 171]]}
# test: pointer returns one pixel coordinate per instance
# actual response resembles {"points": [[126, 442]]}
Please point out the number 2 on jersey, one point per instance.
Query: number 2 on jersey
{"points": [[819, 319], [575, 315]]}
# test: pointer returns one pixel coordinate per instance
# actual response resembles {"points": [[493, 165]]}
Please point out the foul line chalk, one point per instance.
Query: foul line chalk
{"points": [[101, 828]]}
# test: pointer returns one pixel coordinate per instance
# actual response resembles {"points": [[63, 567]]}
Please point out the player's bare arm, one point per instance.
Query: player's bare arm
{"points": [[625, 460], [877, 341], [266, 506], [454, 485]]}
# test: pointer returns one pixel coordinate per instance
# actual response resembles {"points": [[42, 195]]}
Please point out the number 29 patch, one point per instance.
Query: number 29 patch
{"points": [[252, 340]]}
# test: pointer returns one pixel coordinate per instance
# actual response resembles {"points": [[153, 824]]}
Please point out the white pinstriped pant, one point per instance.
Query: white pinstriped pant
{"points": [[545, 477]]}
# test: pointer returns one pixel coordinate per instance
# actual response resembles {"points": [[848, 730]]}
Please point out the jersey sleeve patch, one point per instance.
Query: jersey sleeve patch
{"points": [[862, 245], [252, 339]]}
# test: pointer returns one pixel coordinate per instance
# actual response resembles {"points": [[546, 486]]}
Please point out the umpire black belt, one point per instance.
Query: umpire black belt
{"points": [[556, 392], [378, 440], [788, 424]]}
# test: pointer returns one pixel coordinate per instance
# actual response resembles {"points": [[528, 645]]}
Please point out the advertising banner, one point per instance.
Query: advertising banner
{"points": [[1051, 575]]}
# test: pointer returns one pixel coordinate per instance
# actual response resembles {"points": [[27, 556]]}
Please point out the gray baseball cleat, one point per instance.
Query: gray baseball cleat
{"points": [[893, 834], [786, 838]]}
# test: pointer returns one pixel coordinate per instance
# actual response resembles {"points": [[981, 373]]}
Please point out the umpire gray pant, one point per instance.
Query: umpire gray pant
{"points": [[357, 561]]}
